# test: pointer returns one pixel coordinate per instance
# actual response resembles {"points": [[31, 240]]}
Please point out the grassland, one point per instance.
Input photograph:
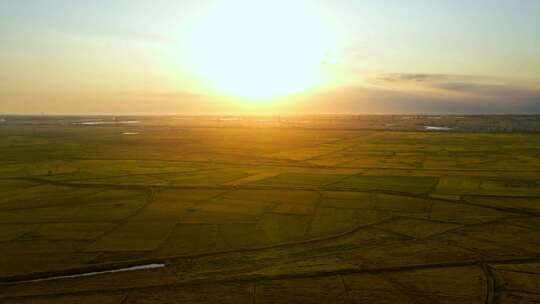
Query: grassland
{"points": [[266, 214]]}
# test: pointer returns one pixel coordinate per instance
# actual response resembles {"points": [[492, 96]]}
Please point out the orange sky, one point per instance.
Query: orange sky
{"points": [[239, 56]]}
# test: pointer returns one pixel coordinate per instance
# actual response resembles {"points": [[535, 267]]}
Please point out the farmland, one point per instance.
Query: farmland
{"points": [[292, 211]]}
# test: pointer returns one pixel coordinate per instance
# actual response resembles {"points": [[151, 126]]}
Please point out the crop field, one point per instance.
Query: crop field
{"points": [[176, 211]]}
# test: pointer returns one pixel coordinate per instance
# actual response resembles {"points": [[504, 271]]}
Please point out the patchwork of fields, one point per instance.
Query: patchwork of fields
{"points": [[267, 215]]}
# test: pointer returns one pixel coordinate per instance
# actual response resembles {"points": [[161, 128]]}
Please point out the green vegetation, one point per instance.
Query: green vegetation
{"points": [[283, 215]]}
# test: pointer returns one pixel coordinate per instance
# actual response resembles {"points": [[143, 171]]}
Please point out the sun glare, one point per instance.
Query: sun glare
{"points": [[261, 49]]}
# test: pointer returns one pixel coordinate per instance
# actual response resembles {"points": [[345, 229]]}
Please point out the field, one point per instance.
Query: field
{"points": [[291, 211]]}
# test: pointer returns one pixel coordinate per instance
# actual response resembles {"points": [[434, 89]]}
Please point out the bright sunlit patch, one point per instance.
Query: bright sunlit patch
{"points": [[261, 49]]}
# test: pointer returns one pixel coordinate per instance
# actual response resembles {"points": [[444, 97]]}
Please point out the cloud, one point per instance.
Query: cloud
{"points": [[383, 101], [172, 101], [475, 93], [430, 93], [498, 91], [175, 95], [397, 77], [461, 83], [475, 96]]}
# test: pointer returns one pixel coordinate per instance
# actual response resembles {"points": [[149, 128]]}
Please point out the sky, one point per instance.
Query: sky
{"points": [[256, 56]]}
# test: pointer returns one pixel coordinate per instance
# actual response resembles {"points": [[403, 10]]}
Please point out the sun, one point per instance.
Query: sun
{"points": [[260, 49]]}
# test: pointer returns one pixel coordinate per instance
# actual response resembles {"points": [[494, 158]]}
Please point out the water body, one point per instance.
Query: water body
{"points": [[101, 122], [432, 128], [94, 273]]}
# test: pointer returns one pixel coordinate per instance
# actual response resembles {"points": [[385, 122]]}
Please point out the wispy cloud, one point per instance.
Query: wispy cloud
{"points": [[384, 94], [432, 93], [460, 86]]}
